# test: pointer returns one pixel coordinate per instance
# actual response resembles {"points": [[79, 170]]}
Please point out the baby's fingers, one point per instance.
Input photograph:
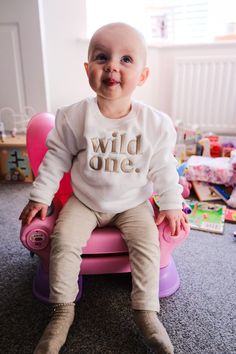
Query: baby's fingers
{"points": [[27, 215], [174, 229], [30, 211], [184, 222], [31, 214]]}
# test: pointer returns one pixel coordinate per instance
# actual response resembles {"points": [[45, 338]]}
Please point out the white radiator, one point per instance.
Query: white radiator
{"points": [[205, 93]]}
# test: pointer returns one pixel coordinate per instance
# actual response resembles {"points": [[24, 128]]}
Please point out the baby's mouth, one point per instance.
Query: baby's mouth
{"points": [[111, 82]]}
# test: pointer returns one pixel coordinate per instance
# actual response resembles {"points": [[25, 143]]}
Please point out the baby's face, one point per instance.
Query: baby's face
{"points": [[116, 61]]}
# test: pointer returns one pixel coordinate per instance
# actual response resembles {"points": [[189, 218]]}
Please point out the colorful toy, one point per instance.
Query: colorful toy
{"points": [[205, 143], [207, 169], [233, 164], [182, 169], [186, 186], [230, 215], [215, 146], [106, 251], [232, 200], [228, 145], [180, 153], [14, 163], [186, 208]]}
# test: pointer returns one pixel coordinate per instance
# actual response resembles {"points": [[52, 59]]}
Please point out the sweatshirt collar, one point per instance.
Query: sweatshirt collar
{"points": [[131, 115]]}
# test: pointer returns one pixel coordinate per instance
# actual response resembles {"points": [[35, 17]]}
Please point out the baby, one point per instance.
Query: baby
{"points": [[118, 151]]}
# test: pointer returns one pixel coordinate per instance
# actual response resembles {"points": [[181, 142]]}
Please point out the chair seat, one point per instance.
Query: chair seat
{"points": [[105, 264], [105, 241]]}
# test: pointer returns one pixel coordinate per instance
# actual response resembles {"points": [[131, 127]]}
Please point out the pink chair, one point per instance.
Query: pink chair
{"points": [[105, 251]]}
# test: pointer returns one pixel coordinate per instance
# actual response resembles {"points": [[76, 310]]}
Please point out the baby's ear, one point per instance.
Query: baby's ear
{"points": [[86, 67], [143, 76]]}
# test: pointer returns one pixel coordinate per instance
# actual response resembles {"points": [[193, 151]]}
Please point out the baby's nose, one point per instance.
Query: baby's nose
{"points": [[111, 66]]}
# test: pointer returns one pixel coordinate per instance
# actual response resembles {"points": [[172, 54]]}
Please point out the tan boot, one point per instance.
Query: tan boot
{"points": [[153, 331], [57, 330]]}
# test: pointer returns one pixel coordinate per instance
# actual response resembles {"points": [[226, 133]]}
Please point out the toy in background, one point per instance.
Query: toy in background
{"points": [[204, 191], [180, 153], [215, 171], [207, 169], [233, 163], [13, 121], [226, 193], [230, 215], [212, 179], [207, 216], [14, 164], [228, 145], [182, 169], [13, 132], [205, 144], [232, 199], [186, 144], [215, 146], [194, 142], [186, 186], [2, 132], [207, 162]]}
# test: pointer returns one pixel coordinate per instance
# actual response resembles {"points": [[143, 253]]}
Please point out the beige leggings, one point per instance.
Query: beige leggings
{"points": [[71, 233]]}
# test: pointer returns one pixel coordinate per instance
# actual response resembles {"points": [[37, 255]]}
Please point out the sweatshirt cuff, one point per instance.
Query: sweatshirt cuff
{"points": [[171, 206], [40, 198]]}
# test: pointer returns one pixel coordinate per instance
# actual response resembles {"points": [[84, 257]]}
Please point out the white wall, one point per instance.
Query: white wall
{"points": [[63, 24], [65, 52]]}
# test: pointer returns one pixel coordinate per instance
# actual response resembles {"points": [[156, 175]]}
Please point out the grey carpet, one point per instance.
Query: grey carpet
{"points": [[200, 317]]}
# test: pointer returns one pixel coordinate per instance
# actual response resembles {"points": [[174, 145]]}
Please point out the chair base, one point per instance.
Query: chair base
{"points": [[169, 280], [41, 286], [169, 283]]}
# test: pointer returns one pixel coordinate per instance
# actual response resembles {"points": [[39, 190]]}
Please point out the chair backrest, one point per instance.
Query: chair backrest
{"points": [[37, 131]]}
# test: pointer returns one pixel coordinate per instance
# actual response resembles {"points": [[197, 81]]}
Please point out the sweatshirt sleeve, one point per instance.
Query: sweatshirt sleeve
{"points": [[62, 147], [163, 172]]}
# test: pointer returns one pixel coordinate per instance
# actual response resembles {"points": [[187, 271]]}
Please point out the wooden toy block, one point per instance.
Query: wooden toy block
{"points": [[14, 163]]}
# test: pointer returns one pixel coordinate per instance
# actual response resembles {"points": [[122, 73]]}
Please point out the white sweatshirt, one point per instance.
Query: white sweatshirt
{"points": [[115, 164]]}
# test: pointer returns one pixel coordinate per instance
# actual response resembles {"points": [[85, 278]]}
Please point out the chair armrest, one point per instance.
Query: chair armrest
{"points": [[168, 243], [35, 237]]}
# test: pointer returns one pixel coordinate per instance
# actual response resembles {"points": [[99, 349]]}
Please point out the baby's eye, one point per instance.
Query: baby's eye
{"points": [[101, 57], [126, 59]]}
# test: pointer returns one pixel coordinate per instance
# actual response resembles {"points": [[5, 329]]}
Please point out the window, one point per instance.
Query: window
{"points": [[183, 21], [167, 21]]}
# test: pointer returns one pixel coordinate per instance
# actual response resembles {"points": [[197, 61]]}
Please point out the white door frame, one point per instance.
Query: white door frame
{"points": [[23, 90]]}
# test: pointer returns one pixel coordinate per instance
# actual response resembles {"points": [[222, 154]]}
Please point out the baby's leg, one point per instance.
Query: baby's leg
{"points": [[141, 235], [56, 331], [153, 331], [71, 233]]}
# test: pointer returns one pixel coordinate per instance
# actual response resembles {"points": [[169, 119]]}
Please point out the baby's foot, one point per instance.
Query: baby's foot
{"points": [[56, 331], [153, 331]]}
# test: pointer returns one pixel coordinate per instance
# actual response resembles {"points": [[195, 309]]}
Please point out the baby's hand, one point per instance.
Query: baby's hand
{"points": [[176, 219], [31, 209]]}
